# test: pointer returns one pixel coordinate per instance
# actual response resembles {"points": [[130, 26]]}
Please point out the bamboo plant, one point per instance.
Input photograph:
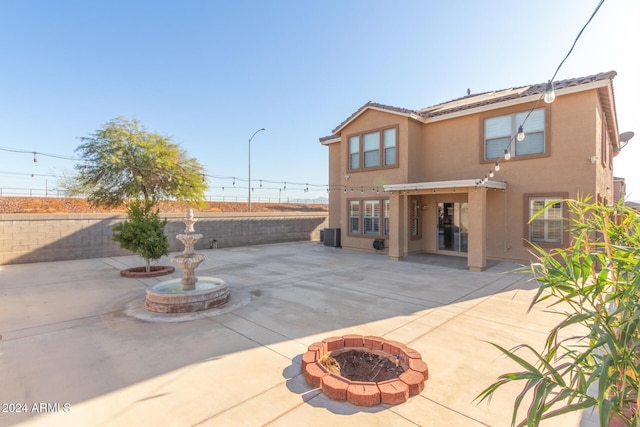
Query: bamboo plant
{"points": [[591, 358]]}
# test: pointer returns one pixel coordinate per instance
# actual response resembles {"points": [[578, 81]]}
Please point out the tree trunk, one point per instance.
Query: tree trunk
{"points": [[148, 265]]}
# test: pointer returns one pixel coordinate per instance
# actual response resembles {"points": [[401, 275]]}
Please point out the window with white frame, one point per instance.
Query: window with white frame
{"points": [[500, 132], [415, 217], [389, 142], [371, 217], [546, 228], [374, 149], [354, 152], [354, 217], [386, 210], [371, 149]]}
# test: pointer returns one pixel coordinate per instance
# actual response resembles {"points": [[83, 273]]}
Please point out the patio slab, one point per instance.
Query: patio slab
{"points": [[67, 336]]}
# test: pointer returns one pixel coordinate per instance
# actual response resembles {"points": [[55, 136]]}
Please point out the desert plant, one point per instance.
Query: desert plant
{"points": [[143, 232], [123, 160], [591, 358]]}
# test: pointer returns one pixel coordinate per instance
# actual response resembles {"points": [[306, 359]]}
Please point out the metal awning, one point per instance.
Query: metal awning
{"points": [[433, 185]]}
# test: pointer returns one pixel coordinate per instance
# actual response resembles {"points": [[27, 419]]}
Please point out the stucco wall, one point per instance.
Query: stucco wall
{"points": [[55, 237], [451, 149]]}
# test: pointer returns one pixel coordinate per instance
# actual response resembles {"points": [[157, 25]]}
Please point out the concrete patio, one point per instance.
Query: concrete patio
{"points": [[75, 333]]}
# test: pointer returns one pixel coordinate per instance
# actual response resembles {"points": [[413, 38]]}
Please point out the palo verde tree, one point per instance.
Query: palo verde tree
{"points": [[124, 161]]}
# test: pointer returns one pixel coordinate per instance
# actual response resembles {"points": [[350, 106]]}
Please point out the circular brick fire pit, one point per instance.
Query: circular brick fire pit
{"points": [[361, 393]]}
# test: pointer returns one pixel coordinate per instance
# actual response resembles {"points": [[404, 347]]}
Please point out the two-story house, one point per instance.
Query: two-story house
{"points": [[462, 178]]}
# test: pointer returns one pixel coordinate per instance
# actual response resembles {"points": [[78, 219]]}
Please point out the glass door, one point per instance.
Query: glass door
{"points": [[453, 226]]}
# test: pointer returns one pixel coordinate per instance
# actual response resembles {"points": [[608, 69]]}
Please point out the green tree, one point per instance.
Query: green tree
{"points": [[143, 232], [591, 358], [123, 160]]}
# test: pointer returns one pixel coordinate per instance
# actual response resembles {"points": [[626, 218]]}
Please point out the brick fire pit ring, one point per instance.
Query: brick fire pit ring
{"points": [[361, 393]]}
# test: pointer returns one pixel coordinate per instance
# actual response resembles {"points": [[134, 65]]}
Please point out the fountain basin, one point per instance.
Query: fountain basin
{"points": [[170, 297]]}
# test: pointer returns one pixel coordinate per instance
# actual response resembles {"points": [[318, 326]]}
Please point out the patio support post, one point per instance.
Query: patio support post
{"points": [[397, 228], [477, 255]]}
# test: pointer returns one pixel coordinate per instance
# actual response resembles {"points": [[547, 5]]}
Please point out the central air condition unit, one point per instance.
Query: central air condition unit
{"points": [[332, 237]]}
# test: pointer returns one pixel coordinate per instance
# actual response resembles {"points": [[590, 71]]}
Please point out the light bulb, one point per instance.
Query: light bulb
{"points": [[549, 93], [507, 155], [497, 167], [490, 174], [520, 135]]}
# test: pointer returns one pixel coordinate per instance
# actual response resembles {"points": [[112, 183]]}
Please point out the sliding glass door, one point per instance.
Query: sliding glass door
{"points": [[453, 226]]}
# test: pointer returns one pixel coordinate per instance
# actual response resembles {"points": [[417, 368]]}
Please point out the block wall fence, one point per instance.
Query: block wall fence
{"points": [[26, 238]]}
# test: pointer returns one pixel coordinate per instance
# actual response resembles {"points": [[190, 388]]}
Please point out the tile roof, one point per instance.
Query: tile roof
{"points": [[487, 98], [473, 100]]}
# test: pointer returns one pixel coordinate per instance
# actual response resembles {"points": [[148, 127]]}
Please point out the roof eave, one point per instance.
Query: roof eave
{"points": [[517, 101], [434, 185], [358, 113]]}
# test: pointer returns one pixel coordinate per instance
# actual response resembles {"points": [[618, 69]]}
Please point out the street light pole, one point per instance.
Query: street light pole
{"points": [[254, 134]]}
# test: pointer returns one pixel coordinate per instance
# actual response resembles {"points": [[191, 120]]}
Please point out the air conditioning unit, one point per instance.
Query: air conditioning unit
{"points": [[332, 237]]}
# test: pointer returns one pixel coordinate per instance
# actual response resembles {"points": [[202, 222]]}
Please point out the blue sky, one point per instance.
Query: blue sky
{"points": [[211, 73]]}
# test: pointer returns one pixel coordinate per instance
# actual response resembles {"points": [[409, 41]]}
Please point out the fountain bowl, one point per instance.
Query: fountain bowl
{"points": [[170, 297]]}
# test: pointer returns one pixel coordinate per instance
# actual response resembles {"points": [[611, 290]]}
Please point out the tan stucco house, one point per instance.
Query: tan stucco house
{"points": [[437, 180]]}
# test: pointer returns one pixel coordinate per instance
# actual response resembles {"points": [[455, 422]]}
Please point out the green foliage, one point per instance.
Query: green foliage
{"points": [[143, 232], [123, 160], [591, 358]]}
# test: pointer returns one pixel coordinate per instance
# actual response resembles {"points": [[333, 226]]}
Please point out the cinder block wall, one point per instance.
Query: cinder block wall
{"points": [[26, 238]]}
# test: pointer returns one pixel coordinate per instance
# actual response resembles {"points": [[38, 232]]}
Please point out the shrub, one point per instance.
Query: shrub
{"points": [[594, 285], [143, 232]]}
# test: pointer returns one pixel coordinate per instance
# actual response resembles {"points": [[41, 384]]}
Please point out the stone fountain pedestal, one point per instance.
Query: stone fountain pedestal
{"points": [[189, 293]]}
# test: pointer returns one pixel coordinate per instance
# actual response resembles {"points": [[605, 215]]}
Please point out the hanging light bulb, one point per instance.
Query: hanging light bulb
{"points": [[520, 135], [260, 183], [361, 190], [497, 167], [35, 161], [345, 190], [507, 155], [490, 174], [549, 93], [234, 182]]}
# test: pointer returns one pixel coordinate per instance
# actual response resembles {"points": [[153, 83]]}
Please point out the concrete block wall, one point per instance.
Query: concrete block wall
{"points": [[26, 238]]}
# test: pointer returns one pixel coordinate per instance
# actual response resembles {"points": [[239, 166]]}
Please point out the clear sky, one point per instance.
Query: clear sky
{"points": [[211, 73]]}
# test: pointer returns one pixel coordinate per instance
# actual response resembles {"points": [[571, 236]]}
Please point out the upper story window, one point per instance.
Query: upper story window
{"points": [[373, 149], [500, 132]]}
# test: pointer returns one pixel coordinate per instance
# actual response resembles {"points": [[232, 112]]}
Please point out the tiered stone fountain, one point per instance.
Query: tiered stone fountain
{"points": [[189, 293]]}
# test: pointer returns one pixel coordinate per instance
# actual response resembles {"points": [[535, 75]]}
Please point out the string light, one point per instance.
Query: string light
{"points": [[549, 94]]}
